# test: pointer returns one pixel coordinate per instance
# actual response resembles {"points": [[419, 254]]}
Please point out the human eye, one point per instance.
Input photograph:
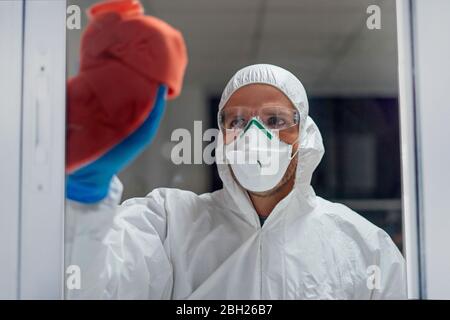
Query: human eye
{"points": [[237, 123], [275, 122]]}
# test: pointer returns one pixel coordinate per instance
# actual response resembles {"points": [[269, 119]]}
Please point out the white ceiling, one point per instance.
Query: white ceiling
{"points": [[324, 42]]}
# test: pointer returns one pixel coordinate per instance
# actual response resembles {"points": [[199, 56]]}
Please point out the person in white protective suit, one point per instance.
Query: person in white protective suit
{"points": [[257, 238]]}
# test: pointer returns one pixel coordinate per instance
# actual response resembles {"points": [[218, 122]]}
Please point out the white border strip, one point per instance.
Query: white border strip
{"points": [[43, 150], [411, 225], [11, 25]]}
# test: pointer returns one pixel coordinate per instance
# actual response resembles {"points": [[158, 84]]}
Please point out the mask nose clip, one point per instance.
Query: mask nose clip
{"points": [[255, 121]]}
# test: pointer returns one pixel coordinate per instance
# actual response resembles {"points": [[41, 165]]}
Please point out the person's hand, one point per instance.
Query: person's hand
{"points": [[90, 183]]}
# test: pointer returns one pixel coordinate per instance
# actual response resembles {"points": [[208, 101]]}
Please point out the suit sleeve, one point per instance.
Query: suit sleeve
{"points": [[387, 275], [119, 250]]}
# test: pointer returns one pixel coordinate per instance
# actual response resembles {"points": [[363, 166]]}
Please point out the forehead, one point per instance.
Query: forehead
{"points": [[257, 95]]}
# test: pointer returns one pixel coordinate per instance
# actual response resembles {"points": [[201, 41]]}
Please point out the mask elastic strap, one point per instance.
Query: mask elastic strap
{"points": [[298, 148]]}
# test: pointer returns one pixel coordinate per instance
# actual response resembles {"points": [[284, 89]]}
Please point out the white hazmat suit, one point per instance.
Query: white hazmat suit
{"points": [[175, 244]]}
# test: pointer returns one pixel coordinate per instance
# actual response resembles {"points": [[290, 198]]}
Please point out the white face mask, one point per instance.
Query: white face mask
{"points": [[258, 158]]}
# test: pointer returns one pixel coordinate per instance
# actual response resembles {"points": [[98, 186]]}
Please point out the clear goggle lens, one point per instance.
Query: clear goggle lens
{"points": [[273, 118]]}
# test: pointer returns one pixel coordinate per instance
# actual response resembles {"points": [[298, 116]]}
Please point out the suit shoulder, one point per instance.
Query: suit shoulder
{"points": [[348, 221]]}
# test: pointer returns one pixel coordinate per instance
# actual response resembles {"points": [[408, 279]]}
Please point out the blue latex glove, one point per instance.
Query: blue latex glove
{"points": [[90, 184]]}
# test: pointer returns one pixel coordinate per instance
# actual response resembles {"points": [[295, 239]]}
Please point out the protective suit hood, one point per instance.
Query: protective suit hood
{"points": [[311, 148]]}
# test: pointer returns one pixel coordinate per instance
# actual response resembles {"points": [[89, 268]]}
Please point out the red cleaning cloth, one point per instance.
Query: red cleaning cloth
{"points": [[125, 57]]}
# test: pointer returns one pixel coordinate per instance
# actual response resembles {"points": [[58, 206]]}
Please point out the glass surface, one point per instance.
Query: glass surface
{"points": [[345, 54]]}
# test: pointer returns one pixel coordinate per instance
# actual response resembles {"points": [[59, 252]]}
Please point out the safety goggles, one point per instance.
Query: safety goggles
{"points": [[273, 117]]}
